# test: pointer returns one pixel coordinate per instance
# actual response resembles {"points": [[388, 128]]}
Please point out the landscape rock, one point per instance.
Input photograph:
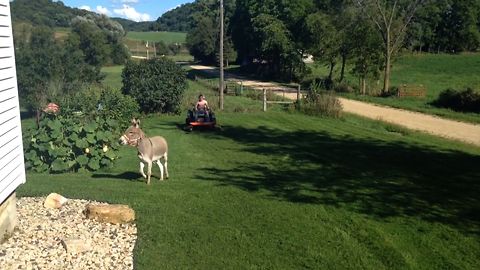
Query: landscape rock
{"points": [[54, 201], [76, 245], [37, 243], [111, 213]]}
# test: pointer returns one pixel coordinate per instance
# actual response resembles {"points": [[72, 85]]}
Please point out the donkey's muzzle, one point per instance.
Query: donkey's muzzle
{"points": [[123, 140]]}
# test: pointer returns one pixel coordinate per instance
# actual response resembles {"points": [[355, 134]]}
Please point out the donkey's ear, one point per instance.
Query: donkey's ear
{"points": [[135, 122]]}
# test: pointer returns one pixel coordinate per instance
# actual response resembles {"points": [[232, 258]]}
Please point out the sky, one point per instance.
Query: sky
{"points": [[135, 10]]}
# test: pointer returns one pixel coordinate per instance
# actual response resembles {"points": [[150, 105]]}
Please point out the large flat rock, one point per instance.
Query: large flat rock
{"points": [[111, 213]]}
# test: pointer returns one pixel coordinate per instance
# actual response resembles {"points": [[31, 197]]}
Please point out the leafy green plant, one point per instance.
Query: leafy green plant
{"points": [[104, 102], [157, 85], [69, 143], [320, 103]]}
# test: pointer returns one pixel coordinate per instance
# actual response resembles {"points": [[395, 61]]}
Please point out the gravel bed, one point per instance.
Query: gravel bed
{"points": [[37, 241]]}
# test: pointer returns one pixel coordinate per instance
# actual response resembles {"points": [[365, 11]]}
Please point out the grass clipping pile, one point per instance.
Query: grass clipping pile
{"points": [[65, 239]]}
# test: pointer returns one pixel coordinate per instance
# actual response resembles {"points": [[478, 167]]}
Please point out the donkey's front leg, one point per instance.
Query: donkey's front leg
{"points": [[149, 172], [141, 169]]}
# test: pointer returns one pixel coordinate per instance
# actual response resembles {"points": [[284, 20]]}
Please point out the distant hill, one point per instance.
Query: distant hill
{"points": [[56, 14], [44, 12], [178, 19], [129, 25]]}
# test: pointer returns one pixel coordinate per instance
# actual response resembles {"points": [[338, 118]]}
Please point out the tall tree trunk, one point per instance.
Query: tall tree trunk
{"points": [[342, 72], [386, 78], [330, 74], [388, 56], [363, 85]]}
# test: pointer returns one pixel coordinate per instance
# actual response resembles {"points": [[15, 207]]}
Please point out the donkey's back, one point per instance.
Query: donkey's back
{"points": [[156, 147]]}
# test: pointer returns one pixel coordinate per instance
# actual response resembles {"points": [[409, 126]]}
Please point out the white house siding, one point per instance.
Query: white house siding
{"points": [[12, 168]]}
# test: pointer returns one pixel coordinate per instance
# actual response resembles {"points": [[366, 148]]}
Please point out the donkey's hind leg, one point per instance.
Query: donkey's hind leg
{"points": [[165, 164], [159, 163], [141, 169]]}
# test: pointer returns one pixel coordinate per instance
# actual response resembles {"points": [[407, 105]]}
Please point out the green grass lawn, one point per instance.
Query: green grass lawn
{"points": [[113, 76], [282, 190], [436, 72], [167, 37]]}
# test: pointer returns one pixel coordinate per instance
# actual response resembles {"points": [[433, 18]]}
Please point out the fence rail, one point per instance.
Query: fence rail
{"points": [[237, 87]]}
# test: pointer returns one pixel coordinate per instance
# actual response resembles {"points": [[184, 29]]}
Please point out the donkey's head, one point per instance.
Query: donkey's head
{"points": [[133, 134]]}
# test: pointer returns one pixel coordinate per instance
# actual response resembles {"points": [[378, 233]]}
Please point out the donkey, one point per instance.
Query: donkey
{"points": [[149, 149]]}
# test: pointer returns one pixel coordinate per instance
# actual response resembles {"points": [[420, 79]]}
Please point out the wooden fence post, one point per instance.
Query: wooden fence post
{"points": [[264, 100], [298, 93]]}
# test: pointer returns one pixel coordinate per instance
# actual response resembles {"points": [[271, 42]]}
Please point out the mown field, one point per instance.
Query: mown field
{"points": [[136, 42], [282, 190], [436, 72], [167, 37]]}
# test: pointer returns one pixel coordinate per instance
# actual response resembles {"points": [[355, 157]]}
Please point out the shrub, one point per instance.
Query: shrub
{"points": [[343, 88], [157, 84], [466, 100], [320, 103], [392, 92], [64, 143], [104, 102]]}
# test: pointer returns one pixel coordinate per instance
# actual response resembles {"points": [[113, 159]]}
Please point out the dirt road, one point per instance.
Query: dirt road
{"points": [[465, 132]]}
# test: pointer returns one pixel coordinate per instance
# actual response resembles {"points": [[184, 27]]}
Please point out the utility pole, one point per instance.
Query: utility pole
{"points": [[221, 57]]}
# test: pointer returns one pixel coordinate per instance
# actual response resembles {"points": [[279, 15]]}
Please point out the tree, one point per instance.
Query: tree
{"points": [[157, 84], [276, 47], [201, 41], [324, 45], [460, 26], [366, 50], [391, 19], [230, 54], [93, 42]]}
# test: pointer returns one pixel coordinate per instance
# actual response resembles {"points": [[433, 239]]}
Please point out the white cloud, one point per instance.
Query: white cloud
{"points": [[129, 1], [131, 14], [102, 10], [173, 8], [85, 8]]}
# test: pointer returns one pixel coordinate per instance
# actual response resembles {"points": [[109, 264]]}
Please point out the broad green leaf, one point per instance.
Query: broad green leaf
{"points": [[91, 127], [91, 138], [94, 164], [82, 144], [59, 165], [82, 160]]}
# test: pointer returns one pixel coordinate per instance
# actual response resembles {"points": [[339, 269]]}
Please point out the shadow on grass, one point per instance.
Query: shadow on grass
{"points": [[376, 178], [128, 176]]}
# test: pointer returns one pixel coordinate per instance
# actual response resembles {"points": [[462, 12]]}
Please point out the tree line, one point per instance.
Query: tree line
{"points": [[274, 36], [49, 66]]}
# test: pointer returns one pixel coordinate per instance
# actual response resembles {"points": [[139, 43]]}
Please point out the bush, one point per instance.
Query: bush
{"points": [[466, 100], [392, 92], [64, 143], [343, 88], [158, 85], [104, 102], [320, 103]]}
